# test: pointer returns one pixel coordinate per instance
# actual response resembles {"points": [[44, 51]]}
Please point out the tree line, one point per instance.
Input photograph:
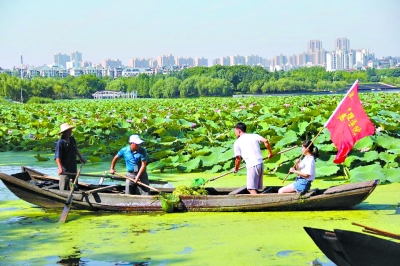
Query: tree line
{"points": [[195, 82]]}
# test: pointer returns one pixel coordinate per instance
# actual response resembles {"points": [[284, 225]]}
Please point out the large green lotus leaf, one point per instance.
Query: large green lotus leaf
{"points": [[350, 159], [123, 124], [302, 127], [322, 138], [183, 158], [289, 138], [280, 131], [209, 160], [387, 157], [365, 143], [217, 150], [327, 147], [394, 151], [387, 142], [391, 114], [228, 165], [393, 174], [161, 154], [215, 169], [156, 166], [158, 121], [175, 133], [225, 156], [185, 123], [189, 166], [283, 170], [370, 156], [167, 140], [321, 169], [194, 146], [197, 140], [160, 132], [201, 152], [369, 172], [94, 159]]}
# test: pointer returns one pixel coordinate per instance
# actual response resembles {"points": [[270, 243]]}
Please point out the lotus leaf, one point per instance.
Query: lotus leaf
{"points": [[369, 172]]}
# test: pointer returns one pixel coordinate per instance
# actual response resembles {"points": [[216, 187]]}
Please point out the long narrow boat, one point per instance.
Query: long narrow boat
{"points": [[41, 190], [348, 248]]}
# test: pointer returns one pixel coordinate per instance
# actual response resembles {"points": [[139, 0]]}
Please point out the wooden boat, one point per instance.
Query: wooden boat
{"points": [[348, 248], [41, 190]]}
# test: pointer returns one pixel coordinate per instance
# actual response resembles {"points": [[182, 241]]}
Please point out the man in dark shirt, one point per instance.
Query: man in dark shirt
{"points": [[65, 155]]}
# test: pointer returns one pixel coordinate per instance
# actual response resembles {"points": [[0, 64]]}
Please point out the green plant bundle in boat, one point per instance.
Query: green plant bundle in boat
{"points": [[168, 202]]}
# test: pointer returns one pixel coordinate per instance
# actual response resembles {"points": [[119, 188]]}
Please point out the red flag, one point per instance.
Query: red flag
{"points": [[348, 124]]}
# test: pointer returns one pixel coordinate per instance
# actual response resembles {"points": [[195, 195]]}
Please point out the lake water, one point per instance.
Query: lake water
{"points": [[32, 236]]}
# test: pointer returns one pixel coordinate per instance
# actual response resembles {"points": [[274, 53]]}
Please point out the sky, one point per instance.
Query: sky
{"points": [[124, 29]]}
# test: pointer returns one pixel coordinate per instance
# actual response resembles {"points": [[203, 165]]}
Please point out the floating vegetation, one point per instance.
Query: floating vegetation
{"points": [[189, 191]]}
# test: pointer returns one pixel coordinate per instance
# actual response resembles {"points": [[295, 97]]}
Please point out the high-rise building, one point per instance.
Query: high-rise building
{"points": [[236, 60], [61, 59], [342, 44], [139, 62], [313, 46], [166, 60], [184, 61], [109, 63], [201, 61], [77, 56]]}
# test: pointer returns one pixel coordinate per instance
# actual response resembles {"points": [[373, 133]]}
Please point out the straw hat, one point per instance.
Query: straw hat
{"points": [[135, 139], [65, 127]]}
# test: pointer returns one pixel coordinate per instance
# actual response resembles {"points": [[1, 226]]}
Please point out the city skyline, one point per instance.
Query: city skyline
{"points": [[131, 29]]}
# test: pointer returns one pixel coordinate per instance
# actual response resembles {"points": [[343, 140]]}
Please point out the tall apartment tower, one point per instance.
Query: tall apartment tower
{"points": [[166, 60], [61, 59], [342, 44], [201, 61], [77, 56], [313, 46]]}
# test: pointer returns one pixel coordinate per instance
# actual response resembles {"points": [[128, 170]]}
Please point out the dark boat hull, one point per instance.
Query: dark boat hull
{"points": [[219, 199], [347, 248]]}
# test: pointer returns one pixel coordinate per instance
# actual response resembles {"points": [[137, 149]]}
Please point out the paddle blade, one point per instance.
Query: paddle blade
{"points": [[198, 182], [64, 214]]}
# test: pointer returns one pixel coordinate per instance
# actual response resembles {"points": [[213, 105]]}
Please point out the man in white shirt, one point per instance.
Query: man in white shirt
{"points": [[247, 146]]}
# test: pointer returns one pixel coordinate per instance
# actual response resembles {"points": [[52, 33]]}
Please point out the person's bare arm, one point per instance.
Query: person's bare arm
{"points": [[113, 162]]}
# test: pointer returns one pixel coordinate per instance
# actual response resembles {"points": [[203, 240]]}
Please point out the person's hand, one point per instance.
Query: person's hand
{"points": [[112, 171], [60, 171], [83, 160], [136, 179], [270, 155], [235, 171], [292, 170]]}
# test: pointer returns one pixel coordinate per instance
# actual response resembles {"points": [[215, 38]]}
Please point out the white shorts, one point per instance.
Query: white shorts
{"points": [[255, 177]]}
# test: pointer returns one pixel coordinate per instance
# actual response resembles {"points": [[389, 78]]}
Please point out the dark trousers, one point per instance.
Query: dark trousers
{"points": [[135, 189], [64, 182]]}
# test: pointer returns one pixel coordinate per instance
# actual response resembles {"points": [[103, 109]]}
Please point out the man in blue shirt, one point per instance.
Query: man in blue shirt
{"points": [[136, 162]]}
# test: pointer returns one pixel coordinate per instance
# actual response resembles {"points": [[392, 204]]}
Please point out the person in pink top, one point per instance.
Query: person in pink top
{"points": [[247, 147]]}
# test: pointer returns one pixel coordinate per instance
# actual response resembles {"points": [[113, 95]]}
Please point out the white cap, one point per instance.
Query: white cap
{"points": [[135, 139]]}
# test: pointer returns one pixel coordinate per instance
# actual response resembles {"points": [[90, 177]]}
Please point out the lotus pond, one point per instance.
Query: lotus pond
{"points": [[32, 236], [187, 139]]}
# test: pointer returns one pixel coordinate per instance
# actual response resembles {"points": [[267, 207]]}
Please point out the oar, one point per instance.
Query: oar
{"points": [[138, 182], [372, 230], [114, 177], [100, 189], [215, 178], [67, 206]]}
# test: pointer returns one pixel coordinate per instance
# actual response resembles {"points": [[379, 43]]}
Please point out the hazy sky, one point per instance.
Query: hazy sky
{"points": [[124, 29]]}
